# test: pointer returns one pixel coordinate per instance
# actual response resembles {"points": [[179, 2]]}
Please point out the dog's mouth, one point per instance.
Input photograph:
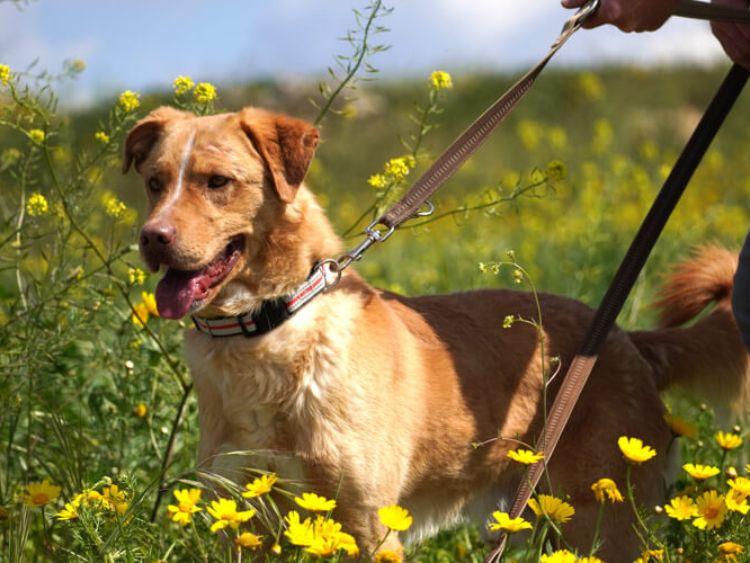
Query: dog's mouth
{"points": [[180, 291]]}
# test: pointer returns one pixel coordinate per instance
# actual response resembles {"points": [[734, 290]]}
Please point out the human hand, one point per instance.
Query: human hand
{"points": [[629, 15], [734, 37]]}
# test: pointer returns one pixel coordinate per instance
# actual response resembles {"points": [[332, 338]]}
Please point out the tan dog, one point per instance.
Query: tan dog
{"points": [[378, 398]]}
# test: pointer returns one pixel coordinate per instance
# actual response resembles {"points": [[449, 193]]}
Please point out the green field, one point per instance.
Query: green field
{"points": [[92, 398]]}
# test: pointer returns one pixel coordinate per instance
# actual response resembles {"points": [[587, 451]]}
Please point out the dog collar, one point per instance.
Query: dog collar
{"points": [[272, 312]]}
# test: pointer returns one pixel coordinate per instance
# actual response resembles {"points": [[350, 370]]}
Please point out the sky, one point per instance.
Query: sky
{"points": [[144, 44]]}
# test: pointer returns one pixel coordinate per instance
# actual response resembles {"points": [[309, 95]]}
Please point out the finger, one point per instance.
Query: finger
{"points": [[573, 3], [735, 39]]}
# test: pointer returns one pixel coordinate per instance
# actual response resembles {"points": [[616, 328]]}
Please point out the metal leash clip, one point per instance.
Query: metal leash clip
{"points": [[575, 22]]}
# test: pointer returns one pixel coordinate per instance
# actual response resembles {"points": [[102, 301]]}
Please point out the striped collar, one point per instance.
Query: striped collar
{"points": [[272, 312]]}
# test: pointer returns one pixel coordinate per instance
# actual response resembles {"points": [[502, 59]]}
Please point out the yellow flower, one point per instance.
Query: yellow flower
{"points": [[441, 80], [377, 181], [37, 205], [4, 74], [204, 93], [634, 450], [681, 508], [136, 276], [741, 484], [69, 511], [90, 498], [140, 315], [182, 85], [248, 540], [552, 507], [730, 550], [728, 441], [187, 500], [37, 135], [701, 472], [115, 498], [711, 510], [504, 522], [396, 168], [737, 502], [140, 410], [315, 503], [225, 512], [149, 300], [556, 170], [388, 556], [129, 101], [300, 533], [680, 426], [276, 549], [606, 487], [527, 457], [39, 494], [395, 518], [559, 556], [113, 206], [651, 555], [102, 137], [260, 486], [590, 86]]}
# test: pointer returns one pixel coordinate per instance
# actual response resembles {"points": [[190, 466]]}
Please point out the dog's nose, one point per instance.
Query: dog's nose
{"points": [[158, 234]]}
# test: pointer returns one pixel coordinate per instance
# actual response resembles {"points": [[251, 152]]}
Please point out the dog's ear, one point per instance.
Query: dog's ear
{"points": [[145, 133], [285, 143]]}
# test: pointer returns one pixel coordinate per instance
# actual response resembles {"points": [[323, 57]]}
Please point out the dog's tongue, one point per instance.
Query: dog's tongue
{"points": [[178, 290]]}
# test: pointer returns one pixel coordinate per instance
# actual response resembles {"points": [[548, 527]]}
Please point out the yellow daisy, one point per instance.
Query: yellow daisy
{"points": [[298, 532], [527, 457], [711, 510], [395, 518], [248, 540], [315, 503], [388, 556], [504, 522], [260, 486], [606, 487], [680, 426], [737, 502], [559, 556], [552, 507], [634, 450], [681, 508], [39, 494], [183, 511], [69, 512], [226, 514], [701, 472], [741, 484], [730, 550], [728, 441]]}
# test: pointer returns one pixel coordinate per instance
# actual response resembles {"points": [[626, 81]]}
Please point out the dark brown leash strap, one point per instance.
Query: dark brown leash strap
{"points": [[465, 145], [623, 282]]}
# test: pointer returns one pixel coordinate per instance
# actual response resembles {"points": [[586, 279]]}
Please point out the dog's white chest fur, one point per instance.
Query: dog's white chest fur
{"points": [[254, 393]]}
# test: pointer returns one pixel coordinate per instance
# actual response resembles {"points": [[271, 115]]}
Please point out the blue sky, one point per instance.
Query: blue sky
{"points": [[140, 44]]}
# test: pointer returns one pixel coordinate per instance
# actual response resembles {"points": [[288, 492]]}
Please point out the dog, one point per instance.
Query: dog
{"points": [[377, 399]]}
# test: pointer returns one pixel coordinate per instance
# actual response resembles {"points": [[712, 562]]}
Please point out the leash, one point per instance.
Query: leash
{"points": [[623, 281], [415, 203]]}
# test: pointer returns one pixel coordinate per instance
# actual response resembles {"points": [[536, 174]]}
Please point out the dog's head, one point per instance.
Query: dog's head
{"points": [[219, 187]]}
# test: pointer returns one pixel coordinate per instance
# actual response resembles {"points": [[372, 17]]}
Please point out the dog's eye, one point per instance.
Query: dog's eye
{"points": [[154, 184], [217, 181]]}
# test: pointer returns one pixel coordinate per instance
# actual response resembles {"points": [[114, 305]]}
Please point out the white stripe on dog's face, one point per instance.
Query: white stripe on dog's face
{"points": [[186, 153]]}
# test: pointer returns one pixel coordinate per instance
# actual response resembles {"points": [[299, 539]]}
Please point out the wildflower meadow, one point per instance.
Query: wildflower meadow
{"points": [[98, 425]]}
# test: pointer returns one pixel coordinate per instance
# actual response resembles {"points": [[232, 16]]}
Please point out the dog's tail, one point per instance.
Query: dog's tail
{"points": [[707, 357]]}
